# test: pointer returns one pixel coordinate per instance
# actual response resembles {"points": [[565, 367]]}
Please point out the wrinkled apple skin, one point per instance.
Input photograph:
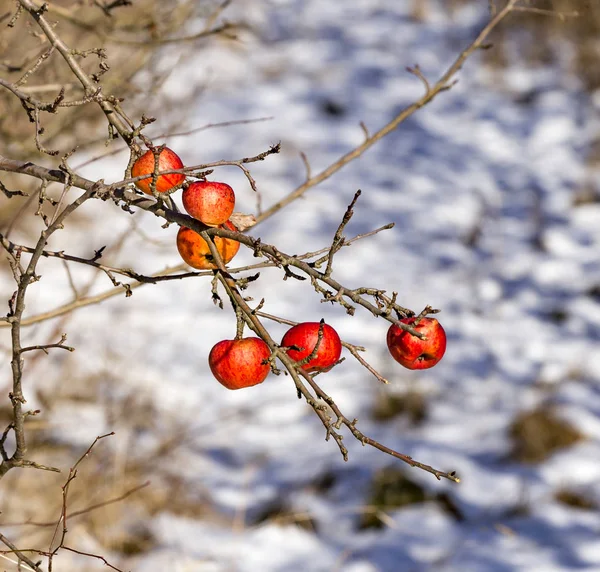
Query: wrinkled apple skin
{"points": [[167, 160], [239, 363], [306, 335], [195, 250], [208, 201], [412, 352]]}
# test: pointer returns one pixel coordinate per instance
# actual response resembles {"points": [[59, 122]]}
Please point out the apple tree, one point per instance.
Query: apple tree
{"points": [[40, 172]]}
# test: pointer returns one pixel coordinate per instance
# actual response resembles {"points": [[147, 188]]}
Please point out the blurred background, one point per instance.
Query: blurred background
{"points": [[494, 191]]}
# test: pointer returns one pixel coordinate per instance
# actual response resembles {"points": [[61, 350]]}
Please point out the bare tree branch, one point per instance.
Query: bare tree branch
{"points": [[443, 84]]}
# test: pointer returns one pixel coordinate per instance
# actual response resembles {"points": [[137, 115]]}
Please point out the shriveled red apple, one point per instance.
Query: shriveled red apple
{"points": [[413, 352], [306, 336], [195, 250], [240, 363]]}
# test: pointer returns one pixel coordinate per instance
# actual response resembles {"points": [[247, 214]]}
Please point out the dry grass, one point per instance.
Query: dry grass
{"points": [[536, 39], [410, 405], [279, 512], [391, 489], [119, 487], [538, 434], [575, 499]]}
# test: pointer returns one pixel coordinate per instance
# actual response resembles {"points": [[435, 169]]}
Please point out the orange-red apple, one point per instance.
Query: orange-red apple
{"points": [[240, 363], [413, 352], [195, 250], [305, 337], [167, 160], [208, 201]]}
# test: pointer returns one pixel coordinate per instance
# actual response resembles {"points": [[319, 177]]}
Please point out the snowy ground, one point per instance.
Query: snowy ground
{"points": [[480, 185]]}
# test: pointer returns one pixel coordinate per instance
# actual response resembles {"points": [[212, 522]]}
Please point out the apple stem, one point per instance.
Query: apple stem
{"points": [[240, 323], [425, 312]]}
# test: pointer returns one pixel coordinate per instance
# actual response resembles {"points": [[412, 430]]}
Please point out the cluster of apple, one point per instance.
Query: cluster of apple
{"points": [[316, 346], [210, 202], [245, 362]]}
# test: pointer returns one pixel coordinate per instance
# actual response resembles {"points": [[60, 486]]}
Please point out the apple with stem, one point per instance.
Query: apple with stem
{"points": [[240, 363], [413, 352], [208, 201], [195, 250], [315, 344], [167, 160]]}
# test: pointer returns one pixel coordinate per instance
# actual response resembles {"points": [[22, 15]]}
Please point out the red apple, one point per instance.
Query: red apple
{"points": [[210, 202], [413, 352], [167, 160], [239, 363], [305, 336], [195, 250]]}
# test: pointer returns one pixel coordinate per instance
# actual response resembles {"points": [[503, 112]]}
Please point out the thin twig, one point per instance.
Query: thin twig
{"points": [[170, 273], [86, 510], [338, 238], [65, 496], [542, 12], [86, 81], [32, 565], [443, 84], [46, 347]]}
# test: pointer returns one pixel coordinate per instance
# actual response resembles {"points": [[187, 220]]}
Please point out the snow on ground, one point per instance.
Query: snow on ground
{"points": [[480, 185]]}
